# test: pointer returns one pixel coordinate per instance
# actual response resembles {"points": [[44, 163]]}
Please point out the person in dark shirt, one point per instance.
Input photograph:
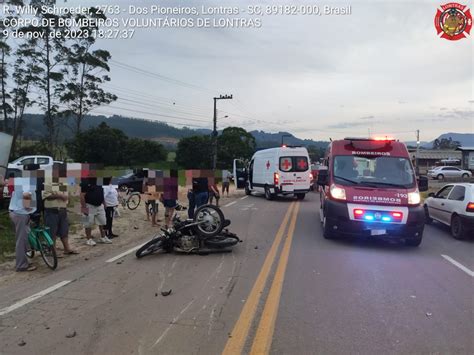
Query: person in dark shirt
{"points": [[214, 193], [92, 209], [199, 195]]}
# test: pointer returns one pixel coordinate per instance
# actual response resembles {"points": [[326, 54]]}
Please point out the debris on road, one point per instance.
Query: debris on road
{"points": [[428, 314], [413, 296], [21, 343], [166, 293], [71, 334], [256, 247]]}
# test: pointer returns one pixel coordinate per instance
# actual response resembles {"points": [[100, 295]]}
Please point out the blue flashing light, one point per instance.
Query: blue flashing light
{"points": [[386, 219], [369, 217]]}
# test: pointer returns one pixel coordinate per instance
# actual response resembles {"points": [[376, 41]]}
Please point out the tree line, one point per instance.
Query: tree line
{"points": [[61, 76], [111, 146]]}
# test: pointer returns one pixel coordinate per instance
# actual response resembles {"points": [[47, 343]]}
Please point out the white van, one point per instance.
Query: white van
{"points": [[278, 171]]}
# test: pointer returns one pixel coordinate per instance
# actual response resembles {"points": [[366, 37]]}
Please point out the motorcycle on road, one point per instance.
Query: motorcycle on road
{"points": [[203, 234]]}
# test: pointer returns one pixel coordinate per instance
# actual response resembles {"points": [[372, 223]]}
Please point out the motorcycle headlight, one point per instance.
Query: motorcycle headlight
{"points": [[414, 198], [337, 192]]}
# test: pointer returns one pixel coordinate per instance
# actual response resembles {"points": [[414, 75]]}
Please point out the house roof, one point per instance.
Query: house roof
{"points": [[465, 148], [438, 154]]}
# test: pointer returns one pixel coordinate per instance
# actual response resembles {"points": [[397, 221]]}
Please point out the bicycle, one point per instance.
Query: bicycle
{"points": [[40, 241], [131, 199]]}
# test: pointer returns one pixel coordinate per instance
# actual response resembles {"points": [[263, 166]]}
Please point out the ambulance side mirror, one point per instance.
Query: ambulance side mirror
{"points": [[422, 183], [323, 177]]}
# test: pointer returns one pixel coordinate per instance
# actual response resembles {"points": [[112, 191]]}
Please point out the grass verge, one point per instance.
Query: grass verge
{"points": [[7, 237]]}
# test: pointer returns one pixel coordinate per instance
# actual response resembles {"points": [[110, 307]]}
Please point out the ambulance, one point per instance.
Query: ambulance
{"points": [[370, 189], [277, 171]]}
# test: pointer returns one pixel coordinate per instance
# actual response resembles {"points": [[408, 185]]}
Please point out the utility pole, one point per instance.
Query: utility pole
{"points": [[214, 132], [417, 169]]}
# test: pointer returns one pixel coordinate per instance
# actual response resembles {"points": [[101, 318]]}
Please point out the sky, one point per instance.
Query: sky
{"points": [[382, 70]]}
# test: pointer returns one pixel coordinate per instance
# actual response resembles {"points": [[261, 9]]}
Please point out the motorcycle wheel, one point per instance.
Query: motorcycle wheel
{"points": [[154, 245], [212, 221]]}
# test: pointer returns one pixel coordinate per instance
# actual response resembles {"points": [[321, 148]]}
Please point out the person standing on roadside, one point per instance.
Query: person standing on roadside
{"points": [[191, 204], [200, 194], [22, 204], [150, 196], [226, 176], [110, 202], [169, 196], [92, 208], [214, 193], [55, 215]]}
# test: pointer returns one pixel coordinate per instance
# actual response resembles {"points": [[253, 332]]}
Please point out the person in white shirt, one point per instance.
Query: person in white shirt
{"points": [[111, 202], [22, 205], [226, 176]]}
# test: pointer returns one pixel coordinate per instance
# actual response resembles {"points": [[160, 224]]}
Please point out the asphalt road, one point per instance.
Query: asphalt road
{"points": [[284, 290]]}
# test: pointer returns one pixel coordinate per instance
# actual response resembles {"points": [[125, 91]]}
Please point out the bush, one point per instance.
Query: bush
{"points": [[110, 146]]}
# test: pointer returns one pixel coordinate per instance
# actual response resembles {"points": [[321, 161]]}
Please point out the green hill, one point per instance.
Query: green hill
{"points": [[167, 135]]}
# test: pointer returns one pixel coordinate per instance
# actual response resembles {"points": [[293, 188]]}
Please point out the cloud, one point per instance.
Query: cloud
{"points": [[302, 62], [458, 114], [351, 124]]}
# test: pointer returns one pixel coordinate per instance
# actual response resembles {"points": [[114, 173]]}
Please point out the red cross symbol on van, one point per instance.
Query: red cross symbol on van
{"points": [[268, 164], [302, 164], [286, 164]]}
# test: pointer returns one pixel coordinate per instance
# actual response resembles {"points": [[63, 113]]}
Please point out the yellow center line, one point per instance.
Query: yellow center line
{"points": [[236, 342], [263, 338]]}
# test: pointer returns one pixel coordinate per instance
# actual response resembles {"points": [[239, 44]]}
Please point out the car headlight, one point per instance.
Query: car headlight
{"points": [[337, 192], [414, 198]]}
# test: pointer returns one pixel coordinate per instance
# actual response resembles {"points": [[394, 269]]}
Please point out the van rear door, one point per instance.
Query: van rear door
{"points": [[239, 173], [294, 173]]}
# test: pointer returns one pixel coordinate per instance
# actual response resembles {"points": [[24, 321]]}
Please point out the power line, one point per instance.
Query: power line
{"points": [[146, 105], [157, 114], [164, 100], [158, 76], [102, 112]]}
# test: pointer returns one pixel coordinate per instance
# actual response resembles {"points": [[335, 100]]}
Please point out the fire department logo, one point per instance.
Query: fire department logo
{"points": [[453, 21]]}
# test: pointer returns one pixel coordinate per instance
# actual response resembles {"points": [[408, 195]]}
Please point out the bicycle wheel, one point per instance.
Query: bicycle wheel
{"points": [[47, 250], [210, 219], [133, 201], [154, 245]]}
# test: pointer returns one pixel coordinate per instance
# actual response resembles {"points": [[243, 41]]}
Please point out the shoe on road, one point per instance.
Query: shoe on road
{"points": [[105, 240], [29, 268], [91, 242]]}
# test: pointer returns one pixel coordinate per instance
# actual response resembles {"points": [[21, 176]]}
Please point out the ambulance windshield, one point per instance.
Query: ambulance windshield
{"points": [[377, 171]]}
